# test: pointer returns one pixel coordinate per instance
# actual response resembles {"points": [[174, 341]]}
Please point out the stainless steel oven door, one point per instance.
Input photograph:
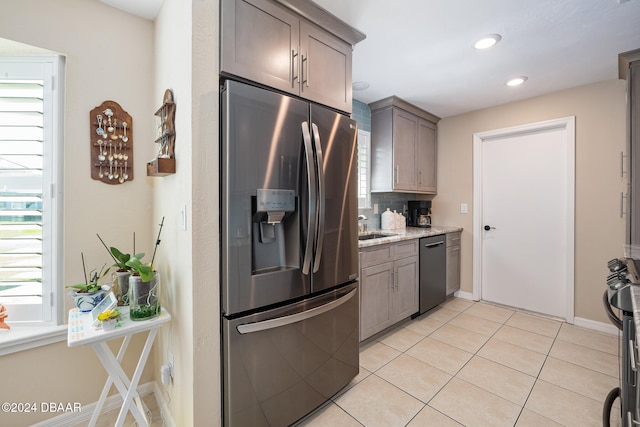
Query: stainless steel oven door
{"points": [[281, 364]]}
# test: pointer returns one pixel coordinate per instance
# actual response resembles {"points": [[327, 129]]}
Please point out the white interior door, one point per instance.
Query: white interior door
{"points": [[524, 179]]}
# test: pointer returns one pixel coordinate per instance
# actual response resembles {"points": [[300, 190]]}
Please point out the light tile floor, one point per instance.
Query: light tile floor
{"points": [[469, 363], [109, 419]]}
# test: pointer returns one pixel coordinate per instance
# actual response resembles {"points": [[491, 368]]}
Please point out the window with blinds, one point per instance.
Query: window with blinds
{"points": [[27, 179], [364, 169]]}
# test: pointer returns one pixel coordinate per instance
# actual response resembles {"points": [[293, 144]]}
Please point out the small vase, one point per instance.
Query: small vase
{"points": [[120, 281], [109, 324], [144, 297]]}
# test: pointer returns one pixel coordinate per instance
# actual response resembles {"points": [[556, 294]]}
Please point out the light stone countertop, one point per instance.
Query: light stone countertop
{"points": [[405, 234]]}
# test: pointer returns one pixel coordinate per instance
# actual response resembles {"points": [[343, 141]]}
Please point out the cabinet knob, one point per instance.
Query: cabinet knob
{"points": [[488, 227]]}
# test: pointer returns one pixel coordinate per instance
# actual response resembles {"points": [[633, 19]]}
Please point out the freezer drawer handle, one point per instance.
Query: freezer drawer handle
{"points": [[293, 318]]}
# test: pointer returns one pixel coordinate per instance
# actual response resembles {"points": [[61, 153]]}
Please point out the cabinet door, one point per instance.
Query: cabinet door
{"points": [[325, 70], [404, 249], [406, 299], [376, 255], [375, 296], [405, 135], [453, 269], [260, 43], [427, 157]]}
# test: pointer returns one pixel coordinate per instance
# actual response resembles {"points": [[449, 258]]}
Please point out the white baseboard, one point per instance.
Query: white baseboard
{"points": [[165, 412], [596, 326], [577, 321], [113, 402], [464, 295]]}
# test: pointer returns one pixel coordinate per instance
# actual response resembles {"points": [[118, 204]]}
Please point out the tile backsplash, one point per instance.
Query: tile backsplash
{"points": [[361, 114], [393, 201]]}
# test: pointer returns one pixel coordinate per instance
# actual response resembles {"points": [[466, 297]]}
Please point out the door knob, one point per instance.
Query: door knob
{"points": [[487, 228]]}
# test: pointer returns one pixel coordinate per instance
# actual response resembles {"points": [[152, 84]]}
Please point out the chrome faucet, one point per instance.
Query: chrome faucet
{"points": [[362, 217]]}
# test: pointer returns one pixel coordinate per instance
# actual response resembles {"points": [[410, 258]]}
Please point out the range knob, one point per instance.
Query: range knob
{"points": [[617, 266], [616, 280]]}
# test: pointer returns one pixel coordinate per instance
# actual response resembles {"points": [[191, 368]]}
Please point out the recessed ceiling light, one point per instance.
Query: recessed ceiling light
{"points": [[488, 41], [360, 85], [517, 81]]}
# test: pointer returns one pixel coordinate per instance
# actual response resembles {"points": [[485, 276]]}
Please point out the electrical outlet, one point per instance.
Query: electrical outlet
{"points": [[165, 374], [375, 208], [170, 362], [464, 208]]}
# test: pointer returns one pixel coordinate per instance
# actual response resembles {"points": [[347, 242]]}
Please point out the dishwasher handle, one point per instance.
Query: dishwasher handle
{"points": [[431, 245]]}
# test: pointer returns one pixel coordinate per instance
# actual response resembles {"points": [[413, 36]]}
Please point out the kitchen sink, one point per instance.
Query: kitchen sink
{"points": [[374, 236]]}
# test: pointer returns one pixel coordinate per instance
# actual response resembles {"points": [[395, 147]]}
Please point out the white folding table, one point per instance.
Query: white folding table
{"points": [[83, 332]]}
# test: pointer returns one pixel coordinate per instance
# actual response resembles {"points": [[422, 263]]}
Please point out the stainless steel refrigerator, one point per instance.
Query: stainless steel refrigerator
{"points": [[290, 305]]}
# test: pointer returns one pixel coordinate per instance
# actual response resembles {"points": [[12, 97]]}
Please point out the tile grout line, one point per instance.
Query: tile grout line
{"points": [[502, 324], [404, 352], [452, 376], [546, 356], [466, 363]]}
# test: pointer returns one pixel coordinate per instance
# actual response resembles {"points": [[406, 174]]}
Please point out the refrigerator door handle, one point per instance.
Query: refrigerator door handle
{"points": [[320, 205], [293, 318], [311, 180]]}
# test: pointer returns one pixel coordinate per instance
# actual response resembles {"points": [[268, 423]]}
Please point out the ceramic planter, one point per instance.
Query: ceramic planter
{"points": [[144, 297], [86, 301]]}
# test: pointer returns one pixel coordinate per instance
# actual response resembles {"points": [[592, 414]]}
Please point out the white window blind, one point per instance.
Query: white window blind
{"points": [[364, 169], [29, 209]]}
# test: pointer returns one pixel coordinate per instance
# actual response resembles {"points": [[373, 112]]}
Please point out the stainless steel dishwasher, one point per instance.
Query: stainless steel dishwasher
{"points": [[433, 272]]}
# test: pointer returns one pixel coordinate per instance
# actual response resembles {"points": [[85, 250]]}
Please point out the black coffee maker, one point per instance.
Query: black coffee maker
{"points": [[419, 213]]}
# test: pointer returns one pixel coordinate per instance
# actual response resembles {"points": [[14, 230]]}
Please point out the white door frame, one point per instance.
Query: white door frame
{"points": [[566, 123]]}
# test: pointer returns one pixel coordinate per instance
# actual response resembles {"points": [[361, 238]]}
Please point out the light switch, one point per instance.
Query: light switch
{"points": [[464, 208], [183, 218]]}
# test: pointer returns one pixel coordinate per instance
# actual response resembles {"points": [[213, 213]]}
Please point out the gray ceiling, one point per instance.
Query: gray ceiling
{"points": [[422, 50]]}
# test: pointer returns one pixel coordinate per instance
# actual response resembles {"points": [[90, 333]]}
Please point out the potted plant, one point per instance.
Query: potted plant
{"points": [[144, 286], [88, 294], [123, 271], [109, 319], [144, 291]]}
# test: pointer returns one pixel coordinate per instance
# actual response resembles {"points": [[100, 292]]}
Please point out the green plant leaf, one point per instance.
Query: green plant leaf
{"points": [[79, 286], [145, 271], [123, 258]]}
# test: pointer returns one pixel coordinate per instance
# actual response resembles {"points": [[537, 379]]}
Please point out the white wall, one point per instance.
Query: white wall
{"points": [[186, 52], [206, 214], [172, 66]]}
